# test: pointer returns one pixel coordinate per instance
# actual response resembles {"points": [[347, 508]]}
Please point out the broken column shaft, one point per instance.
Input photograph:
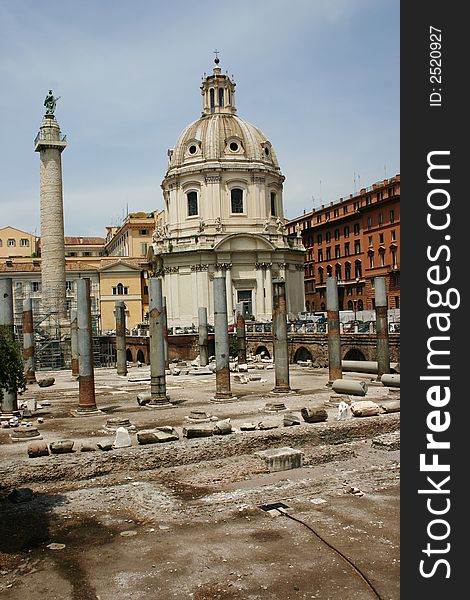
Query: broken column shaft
{"points": [[222, 346], [158, 393], [74, 343], [9, 402], [241, 334], [334, 338], [203, 342], [86, 379], [383, 351], [121, 359], [28, 342], [280, 342]]}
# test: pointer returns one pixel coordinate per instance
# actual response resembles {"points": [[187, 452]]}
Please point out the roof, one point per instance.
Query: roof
{"points": [[84, 241], [212, 135]]}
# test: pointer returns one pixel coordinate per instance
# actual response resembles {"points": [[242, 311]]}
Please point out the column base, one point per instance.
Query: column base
{"points": [[159, 402], [223, 398], [279, 391], [86, 412]]}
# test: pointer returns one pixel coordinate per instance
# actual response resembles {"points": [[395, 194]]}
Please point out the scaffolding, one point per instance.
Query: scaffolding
{"points": [[52, 338]]}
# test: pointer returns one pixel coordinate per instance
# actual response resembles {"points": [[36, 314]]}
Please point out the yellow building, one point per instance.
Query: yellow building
{"points": [[15, 242], [122, 280], [133, 237]]}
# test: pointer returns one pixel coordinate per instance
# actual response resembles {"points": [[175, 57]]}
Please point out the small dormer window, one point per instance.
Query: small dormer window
{"points": [[192, 149], [233, 146], [266, 151]]}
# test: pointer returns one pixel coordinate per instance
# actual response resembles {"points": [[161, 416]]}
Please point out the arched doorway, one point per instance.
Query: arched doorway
{"points": [[140, 357], [263, 351], [302, 354], [129, 355], [354, 354]]}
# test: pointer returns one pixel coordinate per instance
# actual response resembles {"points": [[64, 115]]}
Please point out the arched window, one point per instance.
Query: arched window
{"points": [[307, 306], [350, 305], [236, 197], [329, 270], [338, 272], [320, 274], [221, 96], [120, 290], [212, 99], [192, 204], [323, 306], [347, 271], [360, 305]]}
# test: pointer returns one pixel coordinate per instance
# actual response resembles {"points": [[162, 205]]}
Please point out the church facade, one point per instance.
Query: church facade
{"points": [[223, 215]]}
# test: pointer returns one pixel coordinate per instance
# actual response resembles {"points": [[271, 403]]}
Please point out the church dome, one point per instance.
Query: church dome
{"points": [[220, 135]]}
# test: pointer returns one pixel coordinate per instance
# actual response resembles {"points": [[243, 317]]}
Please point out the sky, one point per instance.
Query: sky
{"points": [[319, 77]]}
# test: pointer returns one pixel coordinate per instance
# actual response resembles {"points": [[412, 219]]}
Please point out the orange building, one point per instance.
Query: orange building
{"points": [[356, 240]]}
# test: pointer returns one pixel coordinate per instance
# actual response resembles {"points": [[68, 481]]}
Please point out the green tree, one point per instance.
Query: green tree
{"points": [[11, 364]]}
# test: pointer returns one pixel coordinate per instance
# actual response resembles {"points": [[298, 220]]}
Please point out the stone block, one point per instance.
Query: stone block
{"points": [[390, 406], [46, 382], [144, 398], [157, 436], [200, 371], [198, 431], [267, 424], [36, 449], [314, 414], [282, 459], [290, 419], [122, 439], [61, 447], [352, 387], [247, 426], [223, 427], [365, 408]]}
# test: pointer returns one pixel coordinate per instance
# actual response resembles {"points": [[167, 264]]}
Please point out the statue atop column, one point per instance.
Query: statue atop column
{"points": [[50, 103]]}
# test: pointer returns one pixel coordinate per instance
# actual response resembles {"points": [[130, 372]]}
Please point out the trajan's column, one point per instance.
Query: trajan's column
{"points": [[50, 143]]}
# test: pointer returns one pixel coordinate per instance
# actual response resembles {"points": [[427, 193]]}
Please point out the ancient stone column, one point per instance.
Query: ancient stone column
{"points": [[241, 334], [28, 342], [203, 341], [222, 345], [121, 358], [334, 339], [383, 350], [280, 343], [86, 379], [50, 144], [159, 398], [74, 342], [9, 402], [165, 333]]}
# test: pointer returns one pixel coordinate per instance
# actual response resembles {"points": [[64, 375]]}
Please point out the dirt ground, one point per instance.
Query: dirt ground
{"points": [[183, 519]]}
